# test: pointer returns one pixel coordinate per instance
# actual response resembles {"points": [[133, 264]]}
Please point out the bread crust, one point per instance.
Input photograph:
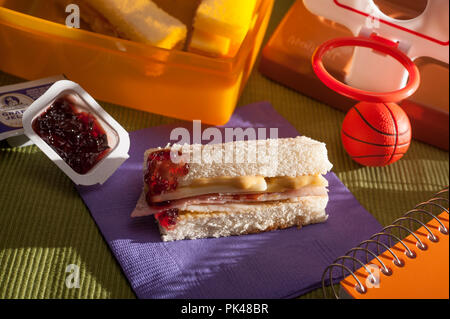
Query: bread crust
{"points": [[306, 157], [255, 219], [297, 156]]}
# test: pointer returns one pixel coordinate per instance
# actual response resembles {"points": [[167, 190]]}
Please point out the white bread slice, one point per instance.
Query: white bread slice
{"points": [[297, 156], [247, 219], [142, 21]]}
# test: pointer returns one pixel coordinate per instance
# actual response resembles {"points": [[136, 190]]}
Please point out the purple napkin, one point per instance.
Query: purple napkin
{"points": [[277, 264]]}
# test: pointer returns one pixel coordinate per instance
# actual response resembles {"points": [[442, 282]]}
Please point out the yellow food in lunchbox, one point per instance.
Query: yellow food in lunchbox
{"points": [[211, 43], [142, 21], [219, 19], [210, 27]]}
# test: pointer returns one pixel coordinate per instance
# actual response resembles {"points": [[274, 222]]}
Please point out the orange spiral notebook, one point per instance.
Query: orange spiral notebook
{"points": [[389, 266]]}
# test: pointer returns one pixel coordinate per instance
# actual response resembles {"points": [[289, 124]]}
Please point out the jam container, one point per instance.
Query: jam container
{"points": [[72, 129]]}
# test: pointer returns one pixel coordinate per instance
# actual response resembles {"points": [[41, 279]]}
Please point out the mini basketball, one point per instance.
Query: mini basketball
{"points": [[376, 134]]}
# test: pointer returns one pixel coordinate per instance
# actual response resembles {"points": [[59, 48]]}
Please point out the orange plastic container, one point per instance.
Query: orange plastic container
{"points": [[287, 59], [173, 83]]}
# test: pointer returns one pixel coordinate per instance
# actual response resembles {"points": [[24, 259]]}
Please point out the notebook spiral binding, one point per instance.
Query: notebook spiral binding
{"points": [[374, 246]]}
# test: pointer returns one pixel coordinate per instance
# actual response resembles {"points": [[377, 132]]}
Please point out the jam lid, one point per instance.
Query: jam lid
{"points": [[73, 130]]}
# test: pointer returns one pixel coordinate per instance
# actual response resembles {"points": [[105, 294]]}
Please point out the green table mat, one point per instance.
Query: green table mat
{"points": [[44, 225]]}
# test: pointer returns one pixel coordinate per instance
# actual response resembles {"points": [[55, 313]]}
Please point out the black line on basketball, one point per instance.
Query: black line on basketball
{"points": [[364, 156], [396, 131], [369, 143], [375, 129]]}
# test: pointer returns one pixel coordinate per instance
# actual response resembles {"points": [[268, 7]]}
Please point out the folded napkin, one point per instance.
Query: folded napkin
{"points": [[276, 264]]}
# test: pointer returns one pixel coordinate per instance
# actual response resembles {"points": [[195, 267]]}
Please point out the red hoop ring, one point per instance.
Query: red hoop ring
{"points": [[361, 95]]}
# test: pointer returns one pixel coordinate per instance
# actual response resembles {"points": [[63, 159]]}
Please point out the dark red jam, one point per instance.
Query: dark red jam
{"points": [[162, 176], [76, 136], [167, 218]]}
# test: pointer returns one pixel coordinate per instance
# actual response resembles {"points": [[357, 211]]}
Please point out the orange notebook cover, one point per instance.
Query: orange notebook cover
{"points": [[392, 265], [426, 276]]}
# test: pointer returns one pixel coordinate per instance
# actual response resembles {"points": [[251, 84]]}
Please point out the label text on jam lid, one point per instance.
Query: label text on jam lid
{"points": [[15, 99]]}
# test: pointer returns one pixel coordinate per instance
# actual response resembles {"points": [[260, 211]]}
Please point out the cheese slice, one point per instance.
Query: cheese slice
{"points": [[241, 185]]}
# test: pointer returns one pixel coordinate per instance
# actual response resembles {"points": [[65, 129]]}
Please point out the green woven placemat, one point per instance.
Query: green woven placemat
{"points": [[44, 225]]}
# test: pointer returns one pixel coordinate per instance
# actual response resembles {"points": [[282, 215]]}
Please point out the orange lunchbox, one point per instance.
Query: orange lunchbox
{"points": [[174, 83]]}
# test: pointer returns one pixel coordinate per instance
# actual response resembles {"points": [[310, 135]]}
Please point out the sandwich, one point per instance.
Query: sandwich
{"points": [[137, 20], [209, 27], [212, 27], [216, 197]]}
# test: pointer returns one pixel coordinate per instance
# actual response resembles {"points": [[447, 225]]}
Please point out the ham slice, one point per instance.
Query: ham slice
{"points": [[143, 209]]}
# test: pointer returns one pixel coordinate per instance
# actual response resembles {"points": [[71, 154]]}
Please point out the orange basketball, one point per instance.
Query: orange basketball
{"points": [[376, 134]]}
